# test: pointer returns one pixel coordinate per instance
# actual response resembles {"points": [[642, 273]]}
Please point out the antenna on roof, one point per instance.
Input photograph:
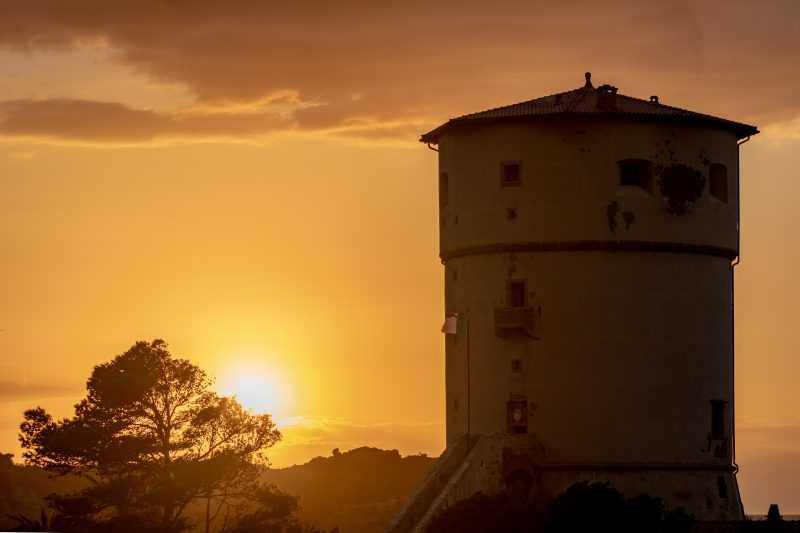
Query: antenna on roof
{"points": [[589, 80]]}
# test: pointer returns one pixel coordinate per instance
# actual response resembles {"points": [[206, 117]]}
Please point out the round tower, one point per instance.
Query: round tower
{"points": [[589, 240]]}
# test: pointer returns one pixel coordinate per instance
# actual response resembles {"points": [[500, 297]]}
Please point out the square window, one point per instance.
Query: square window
{"points": [[515, 293], [718, 182], [635, 173], [722, 487], [517, 415], [511, 174], [718, 429]]}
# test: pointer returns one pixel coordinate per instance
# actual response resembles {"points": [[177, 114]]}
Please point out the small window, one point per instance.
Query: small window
{"points": [[515, 293], [516, 366], [511, 213], [517, 415], [511, 174], [722, 487], [718, 429], [635, 173], [444, 189], [718, 182]]}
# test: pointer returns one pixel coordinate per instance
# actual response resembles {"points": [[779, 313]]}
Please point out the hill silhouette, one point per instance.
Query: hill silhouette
{"points": [[359, 491]]}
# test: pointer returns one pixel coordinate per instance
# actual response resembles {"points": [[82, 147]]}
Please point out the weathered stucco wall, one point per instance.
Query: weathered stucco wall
{"points": [[632, 349], [570, 177], [636, 330]]}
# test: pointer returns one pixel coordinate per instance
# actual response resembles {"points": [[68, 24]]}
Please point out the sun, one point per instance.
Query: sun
{"points": [[257, 388]]}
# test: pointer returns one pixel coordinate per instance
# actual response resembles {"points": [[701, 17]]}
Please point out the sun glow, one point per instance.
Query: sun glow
{"points": [[258, 389]]}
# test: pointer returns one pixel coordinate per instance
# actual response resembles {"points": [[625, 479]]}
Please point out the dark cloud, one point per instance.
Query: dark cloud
{"points": [[424, 61], [85, 120]]}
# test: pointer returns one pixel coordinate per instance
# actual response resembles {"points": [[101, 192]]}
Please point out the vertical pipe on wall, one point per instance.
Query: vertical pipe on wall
{"points": [[733, 311]]}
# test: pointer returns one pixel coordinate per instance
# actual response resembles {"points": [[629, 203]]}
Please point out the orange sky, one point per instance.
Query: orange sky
{"points": [[244, 182]]}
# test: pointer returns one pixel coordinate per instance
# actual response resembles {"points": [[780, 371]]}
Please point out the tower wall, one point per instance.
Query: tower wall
{"points": [[633, 309], [633, 348]]}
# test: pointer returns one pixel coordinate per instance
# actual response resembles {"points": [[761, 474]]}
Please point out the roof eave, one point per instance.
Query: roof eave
{"points": [[741, 130], [432, 137]]}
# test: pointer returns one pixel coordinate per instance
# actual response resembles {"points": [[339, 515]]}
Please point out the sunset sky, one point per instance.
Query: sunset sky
{"points": [[243, 179]]}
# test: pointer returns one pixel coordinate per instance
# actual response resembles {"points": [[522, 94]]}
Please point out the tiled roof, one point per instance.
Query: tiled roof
{"points": [[586, 101]]}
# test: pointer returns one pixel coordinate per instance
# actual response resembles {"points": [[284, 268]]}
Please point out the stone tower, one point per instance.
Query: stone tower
{"points": [[589, 241]]}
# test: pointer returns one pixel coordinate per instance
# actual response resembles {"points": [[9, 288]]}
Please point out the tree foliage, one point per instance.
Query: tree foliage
{"points": [[152, 438], [482, 512], [583, 506]]}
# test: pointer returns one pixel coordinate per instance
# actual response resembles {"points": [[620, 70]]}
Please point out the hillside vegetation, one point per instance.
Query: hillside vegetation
{"points": [[359, 490]]}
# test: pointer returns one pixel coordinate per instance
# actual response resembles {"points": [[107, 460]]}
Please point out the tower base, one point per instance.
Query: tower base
{"points": [[496, 463]]}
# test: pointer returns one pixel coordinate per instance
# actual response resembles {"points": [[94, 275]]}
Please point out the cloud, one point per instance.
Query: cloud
{"points": [[406, 63], [784, 130], [13, 391], [91, 121]]}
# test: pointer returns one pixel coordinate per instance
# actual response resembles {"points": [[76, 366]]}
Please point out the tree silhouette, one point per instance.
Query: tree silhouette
{"points": [[583, 506], [44, 523], [586, 506], [152, 438]]}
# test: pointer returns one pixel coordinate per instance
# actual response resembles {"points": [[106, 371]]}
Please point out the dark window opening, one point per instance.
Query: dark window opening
{"points": [[722, 487], [515, 296], [718, 182], [635, 173], [511, 174], [516, 366], [511, 213], [718, 430], [518, 484], [444, 189], [517, 416]]}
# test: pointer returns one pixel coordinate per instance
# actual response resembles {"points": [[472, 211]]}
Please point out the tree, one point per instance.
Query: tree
{"points": [[594, 506], [43, 523], [583, 506], [480, 513], [152, 438], [267, 510]]}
